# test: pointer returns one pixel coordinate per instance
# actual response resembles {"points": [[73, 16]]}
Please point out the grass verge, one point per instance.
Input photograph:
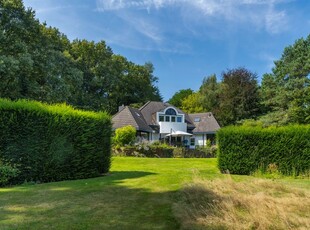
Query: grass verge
{"points": [[227, 204]]}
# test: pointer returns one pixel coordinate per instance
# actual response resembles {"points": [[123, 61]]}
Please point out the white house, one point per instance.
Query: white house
{"points": [[161, 121]]}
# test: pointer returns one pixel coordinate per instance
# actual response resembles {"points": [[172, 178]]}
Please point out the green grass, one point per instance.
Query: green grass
{"points": [[138, 193]]}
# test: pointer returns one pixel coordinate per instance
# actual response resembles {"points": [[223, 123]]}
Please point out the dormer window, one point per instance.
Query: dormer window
{"points": [[197, 119], [170, 112], [170, 115]]}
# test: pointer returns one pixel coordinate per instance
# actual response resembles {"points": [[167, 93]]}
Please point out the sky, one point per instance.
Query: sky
{"points": [[186, 40]]}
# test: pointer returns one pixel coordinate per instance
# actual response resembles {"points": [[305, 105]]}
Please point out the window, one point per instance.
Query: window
{"points": [[172, 118], [167, 119], [193, 141], [170, 112], [196, 119], [179, 119], [161, 118]]}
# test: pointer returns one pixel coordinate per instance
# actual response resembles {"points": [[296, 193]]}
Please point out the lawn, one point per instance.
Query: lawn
{"points": [[138, 193]]}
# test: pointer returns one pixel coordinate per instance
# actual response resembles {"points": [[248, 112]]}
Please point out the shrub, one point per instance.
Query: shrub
{"points": [[53, 142], [144, 149], [125, 135], [7, 174], [244, 150], [162, 150]]}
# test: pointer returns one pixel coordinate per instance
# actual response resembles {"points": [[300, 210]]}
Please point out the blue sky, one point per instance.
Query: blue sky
{"points": [[186, 40]]}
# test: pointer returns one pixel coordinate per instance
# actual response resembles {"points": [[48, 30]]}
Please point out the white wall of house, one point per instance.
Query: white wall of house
{"points": [[165, 127]]}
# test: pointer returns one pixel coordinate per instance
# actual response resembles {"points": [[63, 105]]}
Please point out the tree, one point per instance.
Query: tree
{"points": [[209, 91], [95, 62], [239, 98], [287, 88], [38, 62], [32, 60], [179, 96], [192, 104]]}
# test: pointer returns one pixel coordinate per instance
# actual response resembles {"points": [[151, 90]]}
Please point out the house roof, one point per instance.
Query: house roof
{"points": [[144, 119], [150, 109], [204, 123], [130, 116]]}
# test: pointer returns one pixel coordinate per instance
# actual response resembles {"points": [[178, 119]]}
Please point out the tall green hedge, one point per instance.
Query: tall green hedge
{"points": [[53, 142], [243, 150]]}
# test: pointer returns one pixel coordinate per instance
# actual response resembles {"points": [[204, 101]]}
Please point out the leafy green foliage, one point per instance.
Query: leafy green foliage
{"points": [[239, 98], [33, 63], [124, 136], [192, 104], [234, 99], [287, 88], [7, 174], [209, 91], [52, 143], [39, 63], [243, 150], [179, 96], [163, 150]]}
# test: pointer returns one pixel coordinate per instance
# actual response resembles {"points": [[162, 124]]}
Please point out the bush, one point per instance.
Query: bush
{"points": [[124, 136], [162, 150], [145, 149], [244, 150], [53, 142], [199, 152], [7, 174]]}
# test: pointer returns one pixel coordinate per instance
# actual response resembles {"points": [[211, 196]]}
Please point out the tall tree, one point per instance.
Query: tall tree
{"points": [[179, 96], [192, 103], [209, 91], [95, 61], [287, 88], [40, 63], [239, 98], [32, 60], [111, 80]]}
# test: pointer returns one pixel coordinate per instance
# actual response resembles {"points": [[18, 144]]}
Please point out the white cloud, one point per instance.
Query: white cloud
{"points": [[144, 27], [260, 13]]}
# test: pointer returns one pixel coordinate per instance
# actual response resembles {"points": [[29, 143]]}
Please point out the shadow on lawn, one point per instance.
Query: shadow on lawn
{"points": [[97, 203]]}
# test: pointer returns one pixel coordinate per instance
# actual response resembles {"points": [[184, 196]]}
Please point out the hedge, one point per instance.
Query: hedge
{"points": [[53, 142], [244, 150]]}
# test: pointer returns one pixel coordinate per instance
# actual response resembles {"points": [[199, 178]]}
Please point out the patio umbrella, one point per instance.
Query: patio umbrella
{"points": [[178, 134]]}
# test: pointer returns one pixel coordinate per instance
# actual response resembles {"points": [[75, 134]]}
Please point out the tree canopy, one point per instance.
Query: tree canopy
{"points": [[38, 62], [283, 97], [234, 99], [179, 96], [238, 97], [286, 90]]}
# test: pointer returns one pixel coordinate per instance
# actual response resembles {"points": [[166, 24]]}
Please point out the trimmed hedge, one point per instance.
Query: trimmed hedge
{"points": [[244, 150], [53, 142]]}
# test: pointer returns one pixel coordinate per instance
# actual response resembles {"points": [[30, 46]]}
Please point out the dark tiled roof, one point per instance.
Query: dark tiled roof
{"points": [[145, 118], [204, 122], [130, 116], [149, 109]]}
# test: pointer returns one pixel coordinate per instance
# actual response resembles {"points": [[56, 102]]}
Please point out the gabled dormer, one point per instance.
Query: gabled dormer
{"points": [[170, 114]]}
